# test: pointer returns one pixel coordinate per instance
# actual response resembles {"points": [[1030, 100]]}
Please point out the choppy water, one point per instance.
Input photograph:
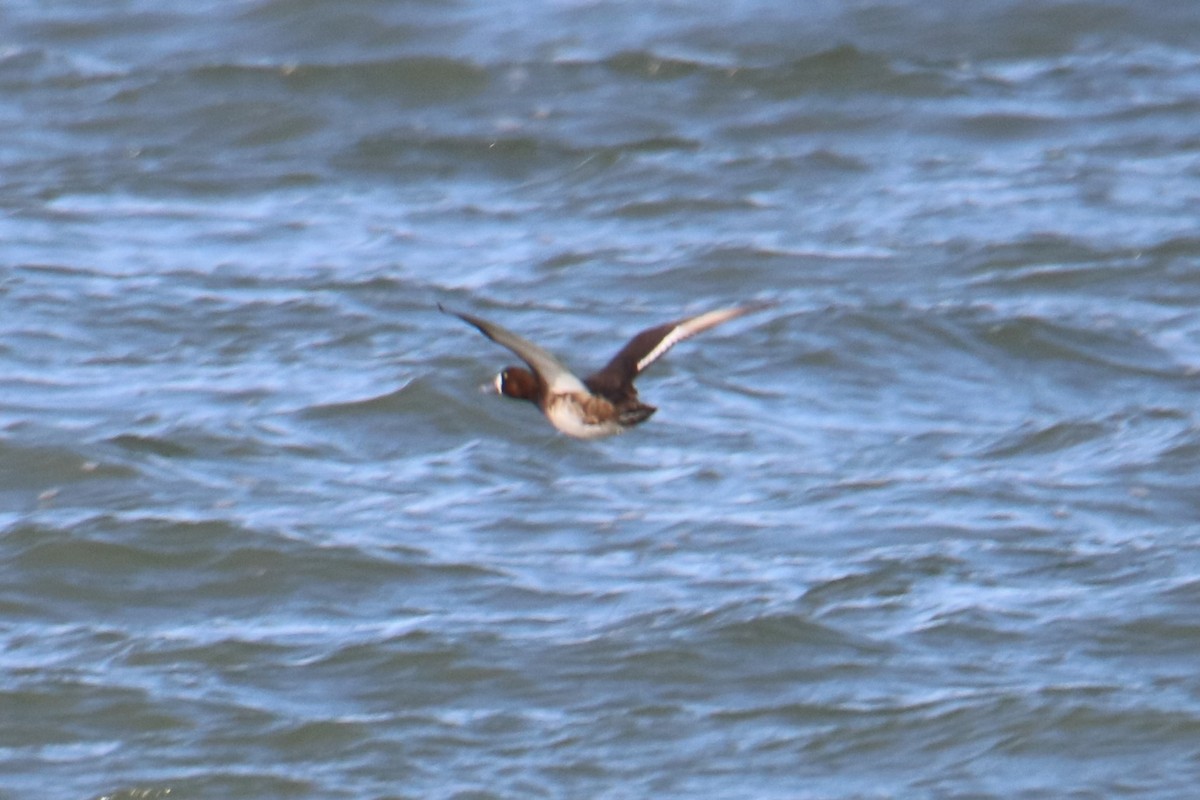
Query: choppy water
{"points": [[928, 528]]}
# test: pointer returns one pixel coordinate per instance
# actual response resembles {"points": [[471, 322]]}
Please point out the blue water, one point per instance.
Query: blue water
{"points": [[925, 528]]}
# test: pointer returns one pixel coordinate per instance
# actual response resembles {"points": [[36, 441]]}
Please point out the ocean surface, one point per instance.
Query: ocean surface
{"points": [[927, 528]]}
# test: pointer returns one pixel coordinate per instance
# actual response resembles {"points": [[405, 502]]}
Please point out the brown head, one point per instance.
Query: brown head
{"points": [[517, 383]]}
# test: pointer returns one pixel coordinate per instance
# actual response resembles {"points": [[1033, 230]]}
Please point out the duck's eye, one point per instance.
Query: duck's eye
{"points": [[499, 382]]}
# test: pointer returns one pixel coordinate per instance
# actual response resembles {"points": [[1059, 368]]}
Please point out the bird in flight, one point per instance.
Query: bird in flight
{"points": [[605, 402]]}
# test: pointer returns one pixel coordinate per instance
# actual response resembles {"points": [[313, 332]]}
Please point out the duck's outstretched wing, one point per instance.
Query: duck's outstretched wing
{"points": [[556, 376], [653, 343]]}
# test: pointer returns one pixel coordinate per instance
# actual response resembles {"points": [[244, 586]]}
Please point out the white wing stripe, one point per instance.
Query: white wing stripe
{"points": [[688, 328], [677, 335]]}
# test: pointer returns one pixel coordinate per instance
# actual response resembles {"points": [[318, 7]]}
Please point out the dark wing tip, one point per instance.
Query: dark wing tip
{"points": [[475, 322], [467, 318]]}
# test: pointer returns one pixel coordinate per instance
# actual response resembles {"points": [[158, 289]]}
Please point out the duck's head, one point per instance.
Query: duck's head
{"points": [[517, 383]]}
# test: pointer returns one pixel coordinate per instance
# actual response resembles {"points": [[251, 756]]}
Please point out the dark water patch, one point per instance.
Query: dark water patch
{"points": [[405, 81], [321, 739], [249, 112], [566, 260], [194, 442], [1178, 247], [129, 568], [151, 444], [834, 161], [975, 627], [434, 679], [107, 560], [802, 718], [428, 153], [613, 663], [25, 468], [1149, 638], [1035, 440], [1181, 455], [1174, 281], [1162, 112], [1049, 262], [1028, 338], [998, 126], [502, 155], [407, 650], [117, 541], [1072, 724], [844, 69], [829, 595], [97, 24], [883, 579], [650, 66], [288, 28], [1056, 27], [1041, 249], [1184, 592], [1015, 31], [674, 206], [771, 634]]}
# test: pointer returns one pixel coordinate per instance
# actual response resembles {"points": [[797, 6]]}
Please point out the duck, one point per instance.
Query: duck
{"points": [[606, 402]]}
